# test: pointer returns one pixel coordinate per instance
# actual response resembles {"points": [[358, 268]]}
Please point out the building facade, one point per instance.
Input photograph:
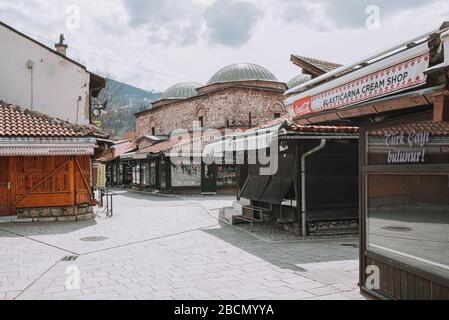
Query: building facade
{"points": [[47, 143], [400, 102], [41, 79], [45, 167], [237, 97]]}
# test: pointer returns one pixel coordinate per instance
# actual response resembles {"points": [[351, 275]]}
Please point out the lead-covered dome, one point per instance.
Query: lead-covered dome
{"points": [[298, 80], [242, 72], [180, 91]]}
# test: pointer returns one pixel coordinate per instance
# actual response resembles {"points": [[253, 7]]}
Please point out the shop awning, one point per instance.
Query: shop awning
{"points": [[250, 140], [255, 187], [128, 156], [277, 190], [11, 150]]}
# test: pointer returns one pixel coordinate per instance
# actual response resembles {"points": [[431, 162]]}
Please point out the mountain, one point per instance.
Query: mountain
{"points": [[123, 101]]}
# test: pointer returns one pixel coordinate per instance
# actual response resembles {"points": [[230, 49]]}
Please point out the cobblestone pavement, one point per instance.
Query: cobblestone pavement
{"points": [[169, 248]]}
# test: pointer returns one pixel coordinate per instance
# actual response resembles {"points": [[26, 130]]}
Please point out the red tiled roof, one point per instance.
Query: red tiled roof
{"points": [[117, 150], [160, 147], [322, 129], [175, 141], [307, 128], [19, 122], [434, 128], [274, 122]]}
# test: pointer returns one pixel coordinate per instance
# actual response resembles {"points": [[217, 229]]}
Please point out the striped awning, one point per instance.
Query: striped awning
{"points": [[10, 147], [250, 140], [47, 150]]}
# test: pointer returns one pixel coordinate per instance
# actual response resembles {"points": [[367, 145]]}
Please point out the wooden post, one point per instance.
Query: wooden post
{"points": [[72, 180], [441, 108]]}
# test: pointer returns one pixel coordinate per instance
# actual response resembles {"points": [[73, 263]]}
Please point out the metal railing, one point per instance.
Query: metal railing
{"points": [[108, 205]]}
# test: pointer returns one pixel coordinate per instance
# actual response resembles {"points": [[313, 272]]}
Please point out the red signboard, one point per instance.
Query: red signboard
{"points": [[303, 106]]}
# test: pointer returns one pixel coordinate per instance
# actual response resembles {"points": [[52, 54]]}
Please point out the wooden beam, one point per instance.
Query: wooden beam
{"points": [[86, 184], [307, 67], [72, 180], [441, 108]]}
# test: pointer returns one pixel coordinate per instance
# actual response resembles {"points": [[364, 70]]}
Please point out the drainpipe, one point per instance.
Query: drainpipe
{"points": [[303, 184]]}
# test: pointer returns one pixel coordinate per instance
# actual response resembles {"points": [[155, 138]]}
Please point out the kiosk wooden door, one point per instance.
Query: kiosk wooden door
{"points": [[5, 197]]}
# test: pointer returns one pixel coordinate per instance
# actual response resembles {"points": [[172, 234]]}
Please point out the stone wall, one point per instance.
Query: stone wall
{"points": [[57, 214], [233, 103]]}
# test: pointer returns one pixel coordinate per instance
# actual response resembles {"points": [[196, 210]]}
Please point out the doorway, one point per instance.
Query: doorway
{"points": [[5, 188], [209, 179]]}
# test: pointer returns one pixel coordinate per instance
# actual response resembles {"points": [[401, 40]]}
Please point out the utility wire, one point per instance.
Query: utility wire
{"points": [[115, 60]]}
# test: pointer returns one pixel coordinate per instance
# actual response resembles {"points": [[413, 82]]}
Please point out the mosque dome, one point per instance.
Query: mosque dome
{"points": [[242, 72], [298, 80], [180, 91]]}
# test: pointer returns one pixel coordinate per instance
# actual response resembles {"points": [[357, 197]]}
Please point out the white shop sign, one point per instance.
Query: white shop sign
{"points": [[399, 77]]}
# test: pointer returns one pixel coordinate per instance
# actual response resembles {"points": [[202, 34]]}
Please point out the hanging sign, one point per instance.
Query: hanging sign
{"points": [[399, 77], [101, 176]]}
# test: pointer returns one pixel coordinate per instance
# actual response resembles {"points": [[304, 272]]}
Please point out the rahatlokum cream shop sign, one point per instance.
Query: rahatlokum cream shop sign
{"points": [[399, 77]]}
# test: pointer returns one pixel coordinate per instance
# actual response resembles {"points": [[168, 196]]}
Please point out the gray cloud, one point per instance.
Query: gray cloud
{"points": [[231, 22], [174, 22], [339, 14]]}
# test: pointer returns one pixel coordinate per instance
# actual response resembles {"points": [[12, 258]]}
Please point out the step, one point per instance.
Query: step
{"points": [[14, 219], [227, 214], [239, 205]]}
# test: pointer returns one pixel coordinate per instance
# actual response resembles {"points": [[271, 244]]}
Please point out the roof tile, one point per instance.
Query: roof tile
{"points": [[19, 122]]}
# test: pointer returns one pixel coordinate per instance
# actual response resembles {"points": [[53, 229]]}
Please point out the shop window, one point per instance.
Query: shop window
{"points": [[408, 219], [226, 176], [136, 174], [146, 174], [153, 174], [163, 174], [407, 195], [120, 173], [423, 143], [186, 175]]}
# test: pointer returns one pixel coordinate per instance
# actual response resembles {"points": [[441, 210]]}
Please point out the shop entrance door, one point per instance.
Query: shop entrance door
{"points": [[209, 179], [5, 188]]}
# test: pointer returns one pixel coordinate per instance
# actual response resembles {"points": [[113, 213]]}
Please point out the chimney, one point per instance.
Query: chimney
{"points": [[61, 47]]}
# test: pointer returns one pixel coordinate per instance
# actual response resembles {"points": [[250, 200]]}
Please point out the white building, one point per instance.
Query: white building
{"points": [[39, 78]]}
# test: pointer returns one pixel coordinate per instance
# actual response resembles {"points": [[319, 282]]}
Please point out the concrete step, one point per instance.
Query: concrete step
{"points": [[238, 205], [227, 214], [14, 219]]}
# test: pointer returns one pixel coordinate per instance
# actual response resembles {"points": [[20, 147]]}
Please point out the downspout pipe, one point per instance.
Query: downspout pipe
{"points": [[303, 184]]}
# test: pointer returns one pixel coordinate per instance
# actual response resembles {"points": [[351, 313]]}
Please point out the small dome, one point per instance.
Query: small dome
{"points": [[298, 80], [180, 91], [242, 72]]}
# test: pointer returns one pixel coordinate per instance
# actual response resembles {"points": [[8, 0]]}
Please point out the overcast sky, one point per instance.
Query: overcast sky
{"points": [[153, 44]]}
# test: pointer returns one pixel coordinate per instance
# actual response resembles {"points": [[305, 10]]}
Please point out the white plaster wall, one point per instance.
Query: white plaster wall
{"points": [[58, 83]]}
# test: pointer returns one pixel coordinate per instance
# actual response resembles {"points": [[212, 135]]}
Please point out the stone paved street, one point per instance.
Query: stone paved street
{"points": [[169, 248]]}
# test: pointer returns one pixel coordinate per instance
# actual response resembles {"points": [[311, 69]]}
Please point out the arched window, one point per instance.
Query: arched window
{"points": [[200, 115], [278, 110], [152, 126]]}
